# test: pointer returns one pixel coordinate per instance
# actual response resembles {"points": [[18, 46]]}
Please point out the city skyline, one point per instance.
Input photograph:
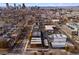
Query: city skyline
{"points": [[41, 4]]}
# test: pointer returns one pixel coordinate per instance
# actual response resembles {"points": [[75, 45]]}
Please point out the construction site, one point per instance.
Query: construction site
{"points": [[39, 30]]}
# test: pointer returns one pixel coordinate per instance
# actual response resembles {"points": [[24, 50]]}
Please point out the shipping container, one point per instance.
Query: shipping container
{"points": [[36, 40], [37, 34], [46, 42]]}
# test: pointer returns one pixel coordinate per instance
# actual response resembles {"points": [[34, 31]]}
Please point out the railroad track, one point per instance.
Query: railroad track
{"points": [[71, 39], [27, 44]]}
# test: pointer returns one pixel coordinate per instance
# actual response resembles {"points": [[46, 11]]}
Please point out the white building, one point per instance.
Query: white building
{"points": [[59, 40], [49, 28], [55, 20]]}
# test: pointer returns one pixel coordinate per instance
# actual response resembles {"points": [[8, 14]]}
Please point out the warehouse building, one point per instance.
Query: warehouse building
{"points": [[71, 29], [49, 28], [58, 40]]}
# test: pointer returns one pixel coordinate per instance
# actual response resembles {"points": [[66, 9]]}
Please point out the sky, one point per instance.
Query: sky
{"points": [[42, 4]]}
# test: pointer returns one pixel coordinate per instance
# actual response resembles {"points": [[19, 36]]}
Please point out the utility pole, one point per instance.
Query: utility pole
{"points": [[42, 31], [41, 27]]}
